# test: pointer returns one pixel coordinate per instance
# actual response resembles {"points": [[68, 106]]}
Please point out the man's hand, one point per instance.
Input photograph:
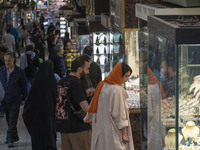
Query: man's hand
{"points": [[57, 36], [22, 103], [84, 105], [90, 92]]}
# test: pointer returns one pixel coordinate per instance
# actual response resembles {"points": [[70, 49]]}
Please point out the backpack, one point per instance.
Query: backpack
{"points": [[63, 105], [64, 108], [31, 69]]}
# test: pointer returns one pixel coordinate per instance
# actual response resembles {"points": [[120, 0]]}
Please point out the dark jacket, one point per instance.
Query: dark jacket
{"points": [[58, 63], [15, 89], [95, 73]]}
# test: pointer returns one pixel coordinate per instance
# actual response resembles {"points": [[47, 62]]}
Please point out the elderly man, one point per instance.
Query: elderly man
{"points": [[13, 80], [58, 61]]}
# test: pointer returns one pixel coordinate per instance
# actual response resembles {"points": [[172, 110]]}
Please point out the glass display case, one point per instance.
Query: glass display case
{"points": [[132, 56], [174, 83], [84, 41], [81, 33], [136, 98], [16, 18], [102, 52], [28, 15], [107, 50], [63, 26]]}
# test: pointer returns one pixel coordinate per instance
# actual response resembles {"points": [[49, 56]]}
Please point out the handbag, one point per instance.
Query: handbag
{"points": [[80, 114]]}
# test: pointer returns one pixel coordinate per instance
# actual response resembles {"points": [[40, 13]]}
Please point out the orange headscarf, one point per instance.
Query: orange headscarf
{"points": [[115, 77], [152, 79]]}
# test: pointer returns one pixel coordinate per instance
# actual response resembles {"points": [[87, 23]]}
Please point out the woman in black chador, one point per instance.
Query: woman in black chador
{"points": [[39, 109]]}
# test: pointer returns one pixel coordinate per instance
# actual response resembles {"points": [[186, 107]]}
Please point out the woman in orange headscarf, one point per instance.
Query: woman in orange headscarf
{"points": [[111, 128]]}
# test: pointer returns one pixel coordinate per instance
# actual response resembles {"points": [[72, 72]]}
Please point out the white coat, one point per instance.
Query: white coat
{"points": [[112, 117]]}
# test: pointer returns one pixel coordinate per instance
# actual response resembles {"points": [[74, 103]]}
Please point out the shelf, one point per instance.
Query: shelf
{"points": [[135, 110], [102, 44], [103, 54], [116, 43]]}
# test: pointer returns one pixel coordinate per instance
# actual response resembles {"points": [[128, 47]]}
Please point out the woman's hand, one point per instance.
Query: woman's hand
{"points": [[125, 138], [124, 135]]}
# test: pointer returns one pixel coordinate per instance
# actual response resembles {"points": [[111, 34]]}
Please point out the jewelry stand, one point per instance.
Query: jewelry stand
{"points": [[170, 138], [190, 130]]}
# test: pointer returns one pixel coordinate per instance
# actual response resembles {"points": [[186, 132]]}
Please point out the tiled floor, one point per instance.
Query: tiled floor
{"points": [[25, 142]]}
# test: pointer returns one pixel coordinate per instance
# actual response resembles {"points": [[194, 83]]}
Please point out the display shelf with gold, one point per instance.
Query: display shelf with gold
{"points": [[174, 51]]}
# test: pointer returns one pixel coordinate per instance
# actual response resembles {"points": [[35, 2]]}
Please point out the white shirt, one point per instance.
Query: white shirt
{"points": [[9, 40]]}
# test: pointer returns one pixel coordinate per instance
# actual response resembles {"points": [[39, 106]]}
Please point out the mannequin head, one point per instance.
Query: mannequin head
{"points": [[190, 124]]}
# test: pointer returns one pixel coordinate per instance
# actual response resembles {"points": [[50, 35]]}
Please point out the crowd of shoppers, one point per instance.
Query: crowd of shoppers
{"points": [[80, 78]]}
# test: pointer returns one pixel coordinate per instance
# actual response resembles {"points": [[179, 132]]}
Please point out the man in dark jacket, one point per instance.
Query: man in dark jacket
{"points": [[29, 63], [3, 50], [95, 70], [52, 39], [13, 80], [1, 92], [58, 61]]}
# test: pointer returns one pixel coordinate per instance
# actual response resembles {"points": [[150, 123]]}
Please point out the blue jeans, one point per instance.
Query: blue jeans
{"points": [[29, 83], [17, 47]]}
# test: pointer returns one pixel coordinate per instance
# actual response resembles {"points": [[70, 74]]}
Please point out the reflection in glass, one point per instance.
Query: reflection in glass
{"points": [[98, 60], [105, 41], [104, 50], [97, 41], [97, 50]]}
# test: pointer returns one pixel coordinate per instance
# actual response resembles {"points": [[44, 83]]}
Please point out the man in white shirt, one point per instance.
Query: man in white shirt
{"points": [[9, 40], [29, 26]]}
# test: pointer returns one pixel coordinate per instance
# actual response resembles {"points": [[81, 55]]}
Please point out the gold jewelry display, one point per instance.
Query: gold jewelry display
{"points": [[190, 130], [170, 138]]}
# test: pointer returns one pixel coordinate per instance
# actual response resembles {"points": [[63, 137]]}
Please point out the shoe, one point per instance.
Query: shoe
{"points": [[10, 144], [15, 140], [1, 114]]}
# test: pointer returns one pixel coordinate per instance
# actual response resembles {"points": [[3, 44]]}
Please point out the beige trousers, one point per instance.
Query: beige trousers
{"points": [[76, 141]]}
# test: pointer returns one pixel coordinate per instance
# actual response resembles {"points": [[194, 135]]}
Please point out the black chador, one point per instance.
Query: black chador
{"points": [[39, 109]]}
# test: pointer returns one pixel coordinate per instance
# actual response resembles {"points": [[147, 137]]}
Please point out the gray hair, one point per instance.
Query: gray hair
{"points": [[60, 41], [58, 47], [11, 54]]}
